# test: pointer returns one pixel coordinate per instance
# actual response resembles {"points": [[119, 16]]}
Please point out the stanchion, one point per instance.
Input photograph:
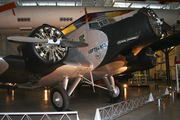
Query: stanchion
{"points": [[97, 115], [159, 102], [166, 92], [151, 99]]}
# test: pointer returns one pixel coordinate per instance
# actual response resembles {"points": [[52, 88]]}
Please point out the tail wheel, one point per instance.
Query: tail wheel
{"points": [[49, 51], [59, 98], [118, 92]]}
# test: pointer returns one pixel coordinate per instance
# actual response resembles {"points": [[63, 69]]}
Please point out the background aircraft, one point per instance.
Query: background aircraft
{"points": [[25, 19], [84, 52]]}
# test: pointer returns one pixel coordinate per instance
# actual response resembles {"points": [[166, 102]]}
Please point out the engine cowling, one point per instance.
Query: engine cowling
{"points": [[146, 60], [41, 56], [126, 35]]}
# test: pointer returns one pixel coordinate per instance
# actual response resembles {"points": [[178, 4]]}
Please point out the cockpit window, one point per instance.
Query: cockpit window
{"points": [[82, 38], [100, 23], [94, 25]]}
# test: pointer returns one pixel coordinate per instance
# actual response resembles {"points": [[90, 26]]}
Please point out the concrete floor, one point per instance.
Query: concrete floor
{"points": [[85, 102]]}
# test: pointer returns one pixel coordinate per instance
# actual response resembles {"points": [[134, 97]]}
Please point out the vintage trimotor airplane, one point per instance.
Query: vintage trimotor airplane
{"points": [[98, 49]]}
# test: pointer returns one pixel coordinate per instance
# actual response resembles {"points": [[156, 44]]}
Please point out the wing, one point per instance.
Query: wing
{"points": [[172, 40], [71, 69], [14, 73]]}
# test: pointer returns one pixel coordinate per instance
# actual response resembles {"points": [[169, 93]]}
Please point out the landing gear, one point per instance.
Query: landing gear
{"points": [[115, 89], [59, 95], [59, 98], [118, 92]]}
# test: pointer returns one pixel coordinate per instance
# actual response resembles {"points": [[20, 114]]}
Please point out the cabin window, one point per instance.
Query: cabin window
{"points": [[94, 25], [82, 38]]}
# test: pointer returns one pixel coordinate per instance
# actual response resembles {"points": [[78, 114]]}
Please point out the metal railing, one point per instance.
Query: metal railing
{"points": [[40, 116], [119, 109]]}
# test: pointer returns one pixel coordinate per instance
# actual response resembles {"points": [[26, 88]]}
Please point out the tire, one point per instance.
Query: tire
{"points": [[59, 98], [115, 97]]}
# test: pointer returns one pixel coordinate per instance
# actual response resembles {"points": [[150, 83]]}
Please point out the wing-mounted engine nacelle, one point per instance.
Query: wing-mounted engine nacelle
{"points": [[41, 56], [146, 60], [129, 35], [149, 25]]}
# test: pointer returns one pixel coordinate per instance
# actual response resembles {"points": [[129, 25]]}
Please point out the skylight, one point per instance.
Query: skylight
{"points": [[29, 4], [121, 4], [46, 3], [124, 4], [156, 6], [138, 5], [49, 3], [66, 3], [153, 5]]}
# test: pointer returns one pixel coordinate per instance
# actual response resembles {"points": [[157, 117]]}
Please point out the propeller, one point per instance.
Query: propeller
{"points": [[63, 42], [158, 63], [154, 21]]}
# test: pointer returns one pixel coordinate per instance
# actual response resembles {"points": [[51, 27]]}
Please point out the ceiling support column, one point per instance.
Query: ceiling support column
{"points": [[166, 52]]}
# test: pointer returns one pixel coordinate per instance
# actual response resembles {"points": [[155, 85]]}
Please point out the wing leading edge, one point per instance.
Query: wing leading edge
{"points": [[172, 40]]}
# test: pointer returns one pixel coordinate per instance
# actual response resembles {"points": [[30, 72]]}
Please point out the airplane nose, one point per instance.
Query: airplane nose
{"points": [[155, 22], [4, 65], [147, 22]]}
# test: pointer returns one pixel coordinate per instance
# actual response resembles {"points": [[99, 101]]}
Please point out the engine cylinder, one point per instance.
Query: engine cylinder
{"points": [[40, 56], [132, 34], [146, 60]]}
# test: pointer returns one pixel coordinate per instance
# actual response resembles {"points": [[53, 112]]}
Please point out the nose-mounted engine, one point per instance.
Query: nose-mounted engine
{"points": [[130, 35], [146, 60], [41, 56]]}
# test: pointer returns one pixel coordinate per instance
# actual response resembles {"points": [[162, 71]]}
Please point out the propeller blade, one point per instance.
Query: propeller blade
{"points": [[63, 42], [153, 55], [26, 39], [74, 44], [160, 62]]}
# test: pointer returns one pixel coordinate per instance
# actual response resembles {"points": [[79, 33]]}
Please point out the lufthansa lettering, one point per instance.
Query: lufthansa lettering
{"points": [[95, 49]]}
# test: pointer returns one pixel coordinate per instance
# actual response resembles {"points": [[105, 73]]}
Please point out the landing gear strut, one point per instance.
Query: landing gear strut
{"points": [[117, 93], [59, 95], [115, 89]]}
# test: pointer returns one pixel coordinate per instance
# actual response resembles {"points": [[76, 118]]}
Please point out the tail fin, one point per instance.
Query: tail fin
{"points": [[8, 7], [86, 15]]}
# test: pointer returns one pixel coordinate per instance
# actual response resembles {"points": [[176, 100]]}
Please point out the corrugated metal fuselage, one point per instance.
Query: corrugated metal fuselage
{"points": [[106, 54]]}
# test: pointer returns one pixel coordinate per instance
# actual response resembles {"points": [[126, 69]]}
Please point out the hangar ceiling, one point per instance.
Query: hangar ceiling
{"points": [[153, 4]]}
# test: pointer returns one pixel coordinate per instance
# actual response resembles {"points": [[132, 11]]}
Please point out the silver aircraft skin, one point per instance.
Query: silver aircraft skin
{"points": [[98, 49]]}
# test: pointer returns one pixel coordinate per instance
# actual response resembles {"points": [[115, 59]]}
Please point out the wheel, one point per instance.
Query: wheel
{"points": [[59, 98], [118, 93]]}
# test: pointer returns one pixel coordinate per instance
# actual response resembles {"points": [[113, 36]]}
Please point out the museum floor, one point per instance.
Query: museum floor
{"points": [[85, 102]]}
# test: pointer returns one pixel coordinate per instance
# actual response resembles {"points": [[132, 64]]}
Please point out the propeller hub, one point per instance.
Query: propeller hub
{"points": [[54, 39]]}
